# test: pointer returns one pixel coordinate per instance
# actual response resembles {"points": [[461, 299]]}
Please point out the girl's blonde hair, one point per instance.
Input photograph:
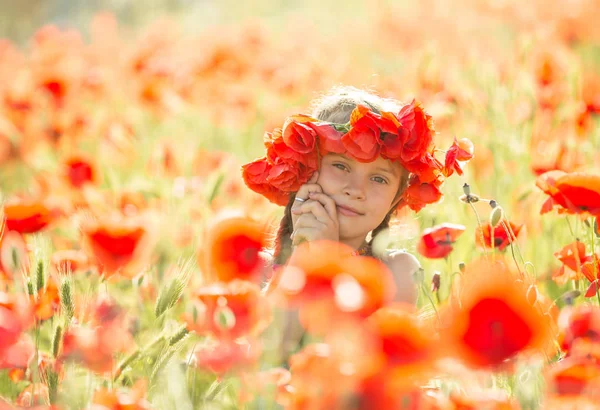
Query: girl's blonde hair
{"points": [[336, 106]]}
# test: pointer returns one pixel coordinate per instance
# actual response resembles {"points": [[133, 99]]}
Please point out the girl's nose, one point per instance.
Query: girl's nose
{"points": [[354, 189]]}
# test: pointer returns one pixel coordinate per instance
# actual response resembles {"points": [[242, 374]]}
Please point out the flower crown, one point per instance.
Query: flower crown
{"points": [[293, 152]]}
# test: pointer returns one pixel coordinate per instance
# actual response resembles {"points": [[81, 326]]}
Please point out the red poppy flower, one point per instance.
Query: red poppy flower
{"points": [[326, 270], [27, 215], [69, 260], [95, 345], [234, 245], [255, 176], [574, 376], [406, 343], [362, 141], [420, 129], [228, 310], [297, 135], [419, 194], [496, 321], [459, 151], [226, 356], [279, 151], [572, 257], [576, 323], [119, 244], [575, 193], [118, 399], [80, 170], [501, 238], [47, 301], [436, 242]]}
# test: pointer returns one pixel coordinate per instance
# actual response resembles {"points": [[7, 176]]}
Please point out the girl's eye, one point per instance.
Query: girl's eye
{"points": [[340, 166], [379, 180]]}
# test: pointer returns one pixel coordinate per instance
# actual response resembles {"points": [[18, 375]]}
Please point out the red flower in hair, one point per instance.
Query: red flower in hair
{"points": [[255, 176], [419, 194], [298, 135], [436, 242], [362, 141], [420, 130]]}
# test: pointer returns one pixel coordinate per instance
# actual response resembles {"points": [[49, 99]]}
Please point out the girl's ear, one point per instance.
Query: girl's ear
{"points": [[313, 179]]}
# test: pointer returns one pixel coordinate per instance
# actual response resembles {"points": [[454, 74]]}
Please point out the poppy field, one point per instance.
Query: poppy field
{"points": [[132, 271]]}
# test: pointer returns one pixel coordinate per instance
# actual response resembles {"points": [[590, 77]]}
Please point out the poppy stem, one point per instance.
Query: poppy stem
{"points": [[424, 290], [481, 231], [512, 248]]}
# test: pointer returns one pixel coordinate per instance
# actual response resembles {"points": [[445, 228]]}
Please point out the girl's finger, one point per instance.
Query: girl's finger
{"points": [[314, 207], [306, 189], [308, 220], [327, 202]]}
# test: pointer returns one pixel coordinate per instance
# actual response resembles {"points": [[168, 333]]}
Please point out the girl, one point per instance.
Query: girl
{"points": [[343, 171]]}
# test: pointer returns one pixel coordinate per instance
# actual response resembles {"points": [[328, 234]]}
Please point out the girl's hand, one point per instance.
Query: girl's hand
{"points": [[316, 217]]}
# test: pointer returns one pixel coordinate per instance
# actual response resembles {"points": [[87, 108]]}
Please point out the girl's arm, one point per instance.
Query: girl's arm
{"points": [[403, 265]]}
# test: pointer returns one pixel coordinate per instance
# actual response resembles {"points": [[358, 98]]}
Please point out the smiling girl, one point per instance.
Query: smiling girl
{"points": [[344, 170]]}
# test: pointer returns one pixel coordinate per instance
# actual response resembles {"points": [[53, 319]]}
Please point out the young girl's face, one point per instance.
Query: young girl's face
{"points": [[363, 192]]}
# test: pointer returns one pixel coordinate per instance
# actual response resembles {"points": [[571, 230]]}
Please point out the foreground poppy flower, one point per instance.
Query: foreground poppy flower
{"points": [[228, 310], [330, 285], [96, 344], [134, 399], [574, 193], [436, 242], [120, 245], [576, 323], [234, 245], [574, 376], [226, 356], [492, 399], [407, 345], [318, 269], [27, 215], [499, 235], [496, 321]]}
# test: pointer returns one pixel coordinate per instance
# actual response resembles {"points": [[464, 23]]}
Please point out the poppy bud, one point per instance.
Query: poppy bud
{"points": [[467, 189], [461, 267], [496, 216], [435, 282]]}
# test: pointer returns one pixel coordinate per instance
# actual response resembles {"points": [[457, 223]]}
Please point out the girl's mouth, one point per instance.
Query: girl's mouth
{"points": [[347, 211]]}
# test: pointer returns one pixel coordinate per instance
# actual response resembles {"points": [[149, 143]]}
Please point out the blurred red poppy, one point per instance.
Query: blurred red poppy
{"points": [[436, 242], [574, 193], [27, 215], [233, 249], [225, 356], [228, 310], [119, 244], [80, 170], [496, 321]]}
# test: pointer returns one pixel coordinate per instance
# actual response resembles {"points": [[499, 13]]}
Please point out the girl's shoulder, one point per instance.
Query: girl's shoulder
{"points": [[400, 255]]}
